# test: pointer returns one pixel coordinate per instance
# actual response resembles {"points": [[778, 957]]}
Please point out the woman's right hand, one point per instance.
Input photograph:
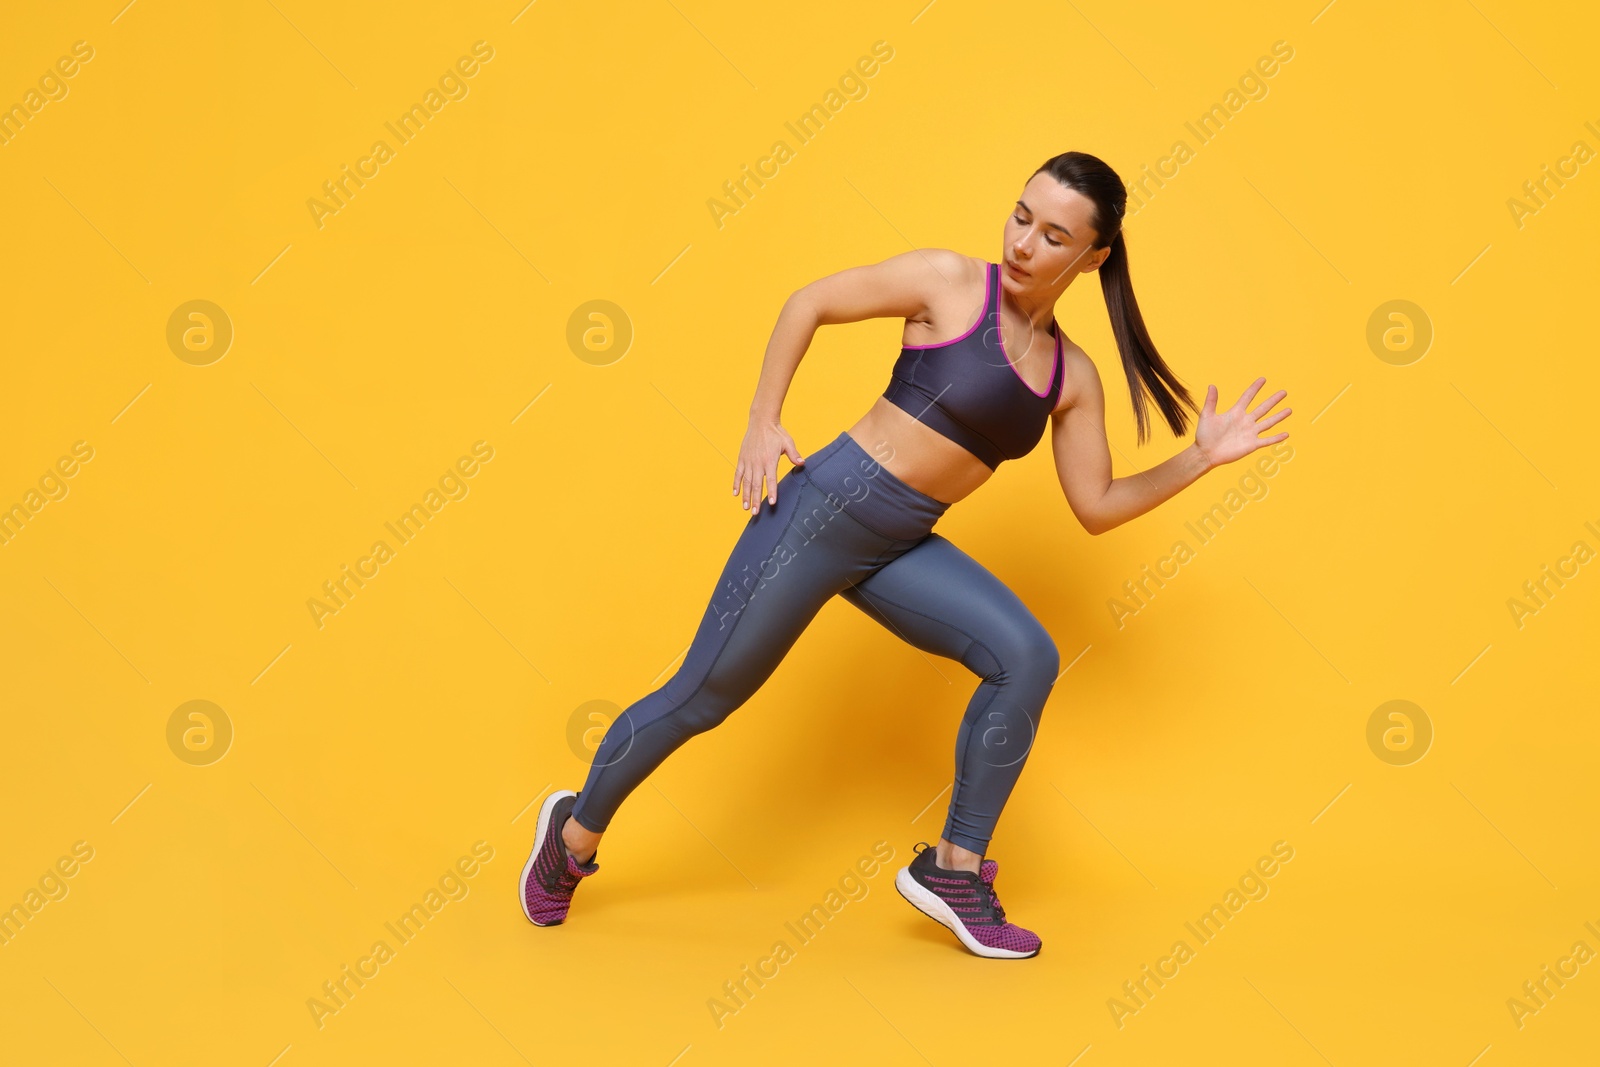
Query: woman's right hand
{"points": [[764, 441], [1233, 434]]}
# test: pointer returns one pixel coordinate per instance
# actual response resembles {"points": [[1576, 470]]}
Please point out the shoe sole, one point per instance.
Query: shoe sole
{"points": [[538, 843], [928, 902]]}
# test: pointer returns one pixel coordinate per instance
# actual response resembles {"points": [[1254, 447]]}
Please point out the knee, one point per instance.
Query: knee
{"points": [[709, 705], [1025, 652], [682, 707], [698, 716], [1045, 655], [1037, 658]]}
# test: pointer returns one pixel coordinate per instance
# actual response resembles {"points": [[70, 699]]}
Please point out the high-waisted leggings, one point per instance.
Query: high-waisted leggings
{"points": [[844, 525]]}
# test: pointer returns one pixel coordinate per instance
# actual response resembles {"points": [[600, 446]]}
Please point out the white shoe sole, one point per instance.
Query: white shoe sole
{"points": [[929, 904], [538, 841]]}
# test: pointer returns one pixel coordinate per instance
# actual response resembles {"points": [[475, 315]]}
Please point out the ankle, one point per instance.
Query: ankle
{"points": [[955, 858], [580, 843]]}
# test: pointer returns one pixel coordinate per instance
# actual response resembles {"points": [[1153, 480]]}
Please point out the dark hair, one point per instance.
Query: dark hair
{"points": [[1143, 365]]}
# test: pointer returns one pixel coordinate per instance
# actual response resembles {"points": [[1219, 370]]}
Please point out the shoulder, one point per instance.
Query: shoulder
{"points": [[1080, 379], [917, 285], [952, 284], [955, 268]]}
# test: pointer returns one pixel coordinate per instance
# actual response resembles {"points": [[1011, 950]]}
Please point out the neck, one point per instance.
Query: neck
{"points": [[1038, 308]]}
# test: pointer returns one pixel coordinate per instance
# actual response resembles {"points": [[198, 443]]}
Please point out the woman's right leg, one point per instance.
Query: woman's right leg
{"points": [[790, 559]]}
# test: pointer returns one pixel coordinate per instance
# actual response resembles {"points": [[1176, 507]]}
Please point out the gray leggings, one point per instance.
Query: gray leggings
{"points": [[844, 525]]}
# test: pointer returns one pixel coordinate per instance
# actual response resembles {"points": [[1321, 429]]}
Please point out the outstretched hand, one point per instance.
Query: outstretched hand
{"points": [[764, 442], [1232, 434]]}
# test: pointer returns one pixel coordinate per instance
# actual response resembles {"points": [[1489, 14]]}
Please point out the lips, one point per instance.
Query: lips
{"points": [[1017, 269]]}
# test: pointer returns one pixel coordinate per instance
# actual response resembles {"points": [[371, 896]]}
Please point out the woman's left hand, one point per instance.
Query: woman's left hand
{"points": [[1232, 434]]}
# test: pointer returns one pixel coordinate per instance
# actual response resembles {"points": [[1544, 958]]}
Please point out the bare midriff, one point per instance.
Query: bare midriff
{"points": [[917, 454], [910, 449]]}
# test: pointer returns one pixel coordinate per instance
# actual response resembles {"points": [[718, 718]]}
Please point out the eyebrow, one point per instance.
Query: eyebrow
{"points": [[1052, 225]]}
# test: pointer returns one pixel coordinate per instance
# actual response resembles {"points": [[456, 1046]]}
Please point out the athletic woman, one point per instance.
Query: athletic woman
{"points": [[984, 366]]}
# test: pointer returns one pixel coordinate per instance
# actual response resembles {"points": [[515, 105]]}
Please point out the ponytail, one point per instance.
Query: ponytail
{"points": [[1146, 371]]}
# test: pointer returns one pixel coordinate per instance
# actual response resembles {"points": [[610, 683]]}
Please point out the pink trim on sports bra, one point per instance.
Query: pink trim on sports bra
{"points": [[983, 313], [1054, 367], [991, 273]]}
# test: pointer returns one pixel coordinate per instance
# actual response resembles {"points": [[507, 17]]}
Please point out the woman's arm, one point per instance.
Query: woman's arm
{"points": [[1083, 457], [902, 286]]}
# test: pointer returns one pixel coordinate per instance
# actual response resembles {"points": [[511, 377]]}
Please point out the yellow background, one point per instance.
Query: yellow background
{"points": [[430, 712]]}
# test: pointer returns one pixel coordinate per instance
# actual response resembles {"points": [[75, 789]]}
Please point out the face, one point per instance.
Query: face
{"points": [[1049, 239]]}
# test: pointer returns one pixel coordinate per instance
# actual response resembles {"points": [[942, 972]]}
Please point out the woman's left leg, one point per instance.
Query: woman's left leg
{"points": [[941, 600]]}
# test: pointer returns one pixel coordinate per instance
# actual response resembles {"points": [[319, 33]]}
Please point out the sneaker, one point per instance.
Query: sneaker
{"points": [[552, 873], [966, 903]]}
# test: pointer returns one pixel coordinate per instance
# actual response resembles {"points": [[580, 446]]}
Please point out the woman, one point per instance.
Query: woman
{"points": [[974, 385]]}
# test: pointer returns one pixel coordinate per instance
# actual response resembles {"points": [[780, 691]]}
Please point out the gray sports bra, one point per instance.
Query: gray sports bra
{"points": [[969, 391]]}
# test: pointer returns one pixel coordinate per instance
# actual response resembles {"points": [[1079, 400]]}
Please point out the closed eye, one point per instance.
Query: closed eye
{"points": [[1023, 222]]}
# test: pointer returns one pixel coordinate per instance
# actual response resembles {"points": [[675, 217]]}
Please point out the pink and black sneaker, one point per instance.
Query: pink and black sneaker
{"points": [[966, 903], [552, 873]]}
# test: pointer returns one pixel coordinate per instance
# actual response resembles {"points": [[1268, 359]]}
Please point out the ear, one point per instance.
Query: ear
{"points": [[1092, 263]]}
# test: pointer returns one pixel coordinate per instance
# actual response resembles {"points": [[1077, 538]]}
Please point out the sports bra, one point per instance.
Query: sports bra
{"points": [[969, 391]]}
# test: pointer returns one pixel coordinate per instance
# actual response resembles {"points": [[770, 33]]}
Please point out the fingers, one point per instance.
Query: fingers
{"points": [[743, 486], [1249, 394], [1273, 419], [789, 449], [748, 475], [1210, 406], [1267, 404]]}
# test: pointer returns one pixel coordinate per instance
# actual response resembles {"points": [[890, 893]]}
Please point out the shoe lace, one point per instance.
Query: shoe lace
{"points": [[558, 878], [982, 894], [994, 906]]}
